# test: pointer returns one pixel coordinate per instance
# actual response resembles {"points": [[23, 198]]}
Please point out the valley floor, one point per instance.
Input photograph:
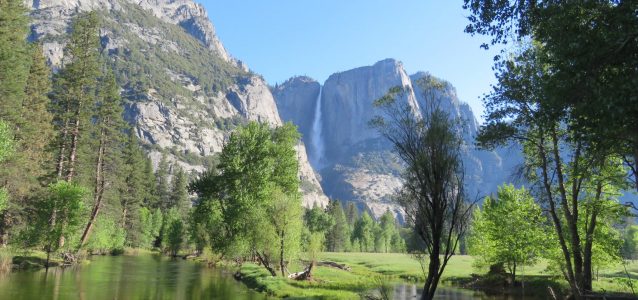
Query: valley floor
{"points": [[373, 271]]}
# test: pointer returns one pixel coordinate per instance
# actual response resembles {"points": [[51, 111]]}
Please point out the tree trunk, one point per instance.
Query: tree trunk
{"points": [[570, 216], [46, 265], [303, 275], [60, 164], [74, 147], [89, 225], [124, 212], [429, 288], [99, 190], [434, 264], [282, 263], [265, 262], [543, 155], [589, 242]]}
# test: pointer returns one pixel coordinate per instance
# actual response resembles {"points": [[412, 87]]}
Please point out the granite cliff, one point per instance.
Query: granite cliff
{"points": [[356, 164], [184, 93]]}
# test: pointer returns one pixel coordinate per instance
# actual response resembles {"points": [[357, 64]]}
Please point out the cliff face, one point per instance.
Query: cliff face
{"points": [[296, 100], [359, 165], [348, 106], [184, 93], [52, 16]]}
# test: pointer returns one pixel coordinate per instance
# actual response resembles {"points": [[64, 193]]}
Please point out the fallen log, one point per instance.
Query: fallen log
{"points": [[306, 274], [332, 264]]}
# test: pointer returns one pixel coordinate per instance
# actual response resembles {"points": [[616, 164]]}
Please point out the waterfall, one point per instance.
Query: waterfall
{"points": [[317, 134]]}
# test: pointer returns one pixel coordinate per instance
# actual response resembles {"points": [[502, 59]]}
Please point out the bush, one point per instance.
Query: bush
{"points": [[108, 236]]}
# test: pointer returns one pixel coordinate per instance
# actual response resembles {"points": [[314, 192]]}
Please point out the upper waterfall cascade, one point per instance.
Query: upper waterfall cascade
{"points": [[317, 135]]}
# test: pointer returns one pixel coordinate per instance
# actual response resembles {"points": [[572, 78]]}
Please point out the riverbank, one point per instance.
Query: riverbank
{"points": [[370, 271], [20, 260]]}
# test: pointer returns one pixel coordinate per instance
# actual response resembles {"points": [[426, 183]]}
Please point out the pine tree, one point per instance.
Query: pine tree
{"points": [[6, 149], [352, 214], [387, 226], [363, 233], [179, 192], [151, 198], [338, 237], [162, 187], [133, 190], [23, 108], [109, 127], [14, 60], [37, 134], [22, 175], [74, 91]]}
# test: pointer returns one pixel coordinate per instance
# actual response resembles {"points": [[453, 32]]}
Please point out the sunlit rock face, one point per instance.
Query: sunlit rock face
{"points": [[184, 93], [357, 164]]}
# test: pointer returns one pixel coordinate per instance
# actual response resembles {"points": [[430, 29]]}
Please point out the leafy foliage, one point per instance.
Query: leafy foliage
{"points": [[108, 236], [174, 231], [257, 164], [59, 213], [338, 237], [509, 229], [6, 141]]}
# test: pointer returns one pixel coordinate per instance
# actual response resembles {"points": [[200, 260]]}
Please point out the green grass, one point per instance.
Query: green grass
{"points": [[369, 270]]}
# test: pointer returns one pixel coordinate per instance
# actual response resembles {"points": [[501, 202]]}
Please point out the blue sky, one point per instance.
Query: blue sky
{"points": [[283, 38]]}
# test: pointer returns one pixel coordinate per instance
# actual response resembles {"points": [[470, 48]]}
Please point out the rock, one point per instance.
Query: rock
{"points": [[358, 164], [252, 98], [213, 93], [296, 100], [348, 104]]}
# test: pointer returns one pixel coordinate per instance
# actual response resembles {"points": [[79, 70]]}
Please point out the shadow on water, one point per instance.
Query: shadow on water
{"points": [[411, 292], [126, 277]]}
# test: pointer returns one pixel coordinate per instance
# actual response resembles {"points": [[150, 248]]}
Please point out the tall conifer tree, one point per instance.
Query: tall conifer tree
{"points": [[179, 192], [109, 127], [14, 60], [75, 91], [133, 190], [162, 187]]}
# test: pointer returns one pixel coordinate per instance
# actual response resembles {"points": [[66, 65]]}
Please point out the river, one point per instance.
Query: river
{"points": [[156, 277], [126, 277]]}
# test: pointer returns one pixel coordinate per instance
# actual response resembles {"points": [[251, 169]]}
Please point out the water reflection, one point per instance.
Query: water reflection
{"points": [[411, 292], [126, 277]]}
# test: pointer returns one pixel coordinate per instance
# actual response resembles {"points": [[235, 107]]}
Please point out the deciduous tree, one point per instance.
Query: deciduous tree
{"points": [[238, 196], [433, 195], [510, 229]]}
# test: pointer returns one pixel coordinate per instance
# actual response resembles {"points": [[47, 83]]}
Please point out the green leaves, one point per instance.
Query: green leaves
{"points": [[59, 213], [510, 230], [6, 141], [241, 202], [14, 59]]}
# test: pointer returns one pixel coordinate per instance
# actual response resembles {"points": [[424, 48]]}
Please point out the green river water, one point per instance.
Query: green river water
{"points": [[156, 277], [126, 277]]}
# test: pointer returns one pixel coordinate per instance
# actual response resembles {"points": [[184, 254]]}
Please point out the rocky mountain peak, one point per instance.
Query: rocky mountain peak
{"points": [[53, 15], [349, 103]]}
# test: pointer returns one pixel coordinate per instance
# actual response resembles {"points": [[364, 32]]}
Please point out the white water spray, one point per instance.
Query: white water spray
{"points": [[317, 134]]}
